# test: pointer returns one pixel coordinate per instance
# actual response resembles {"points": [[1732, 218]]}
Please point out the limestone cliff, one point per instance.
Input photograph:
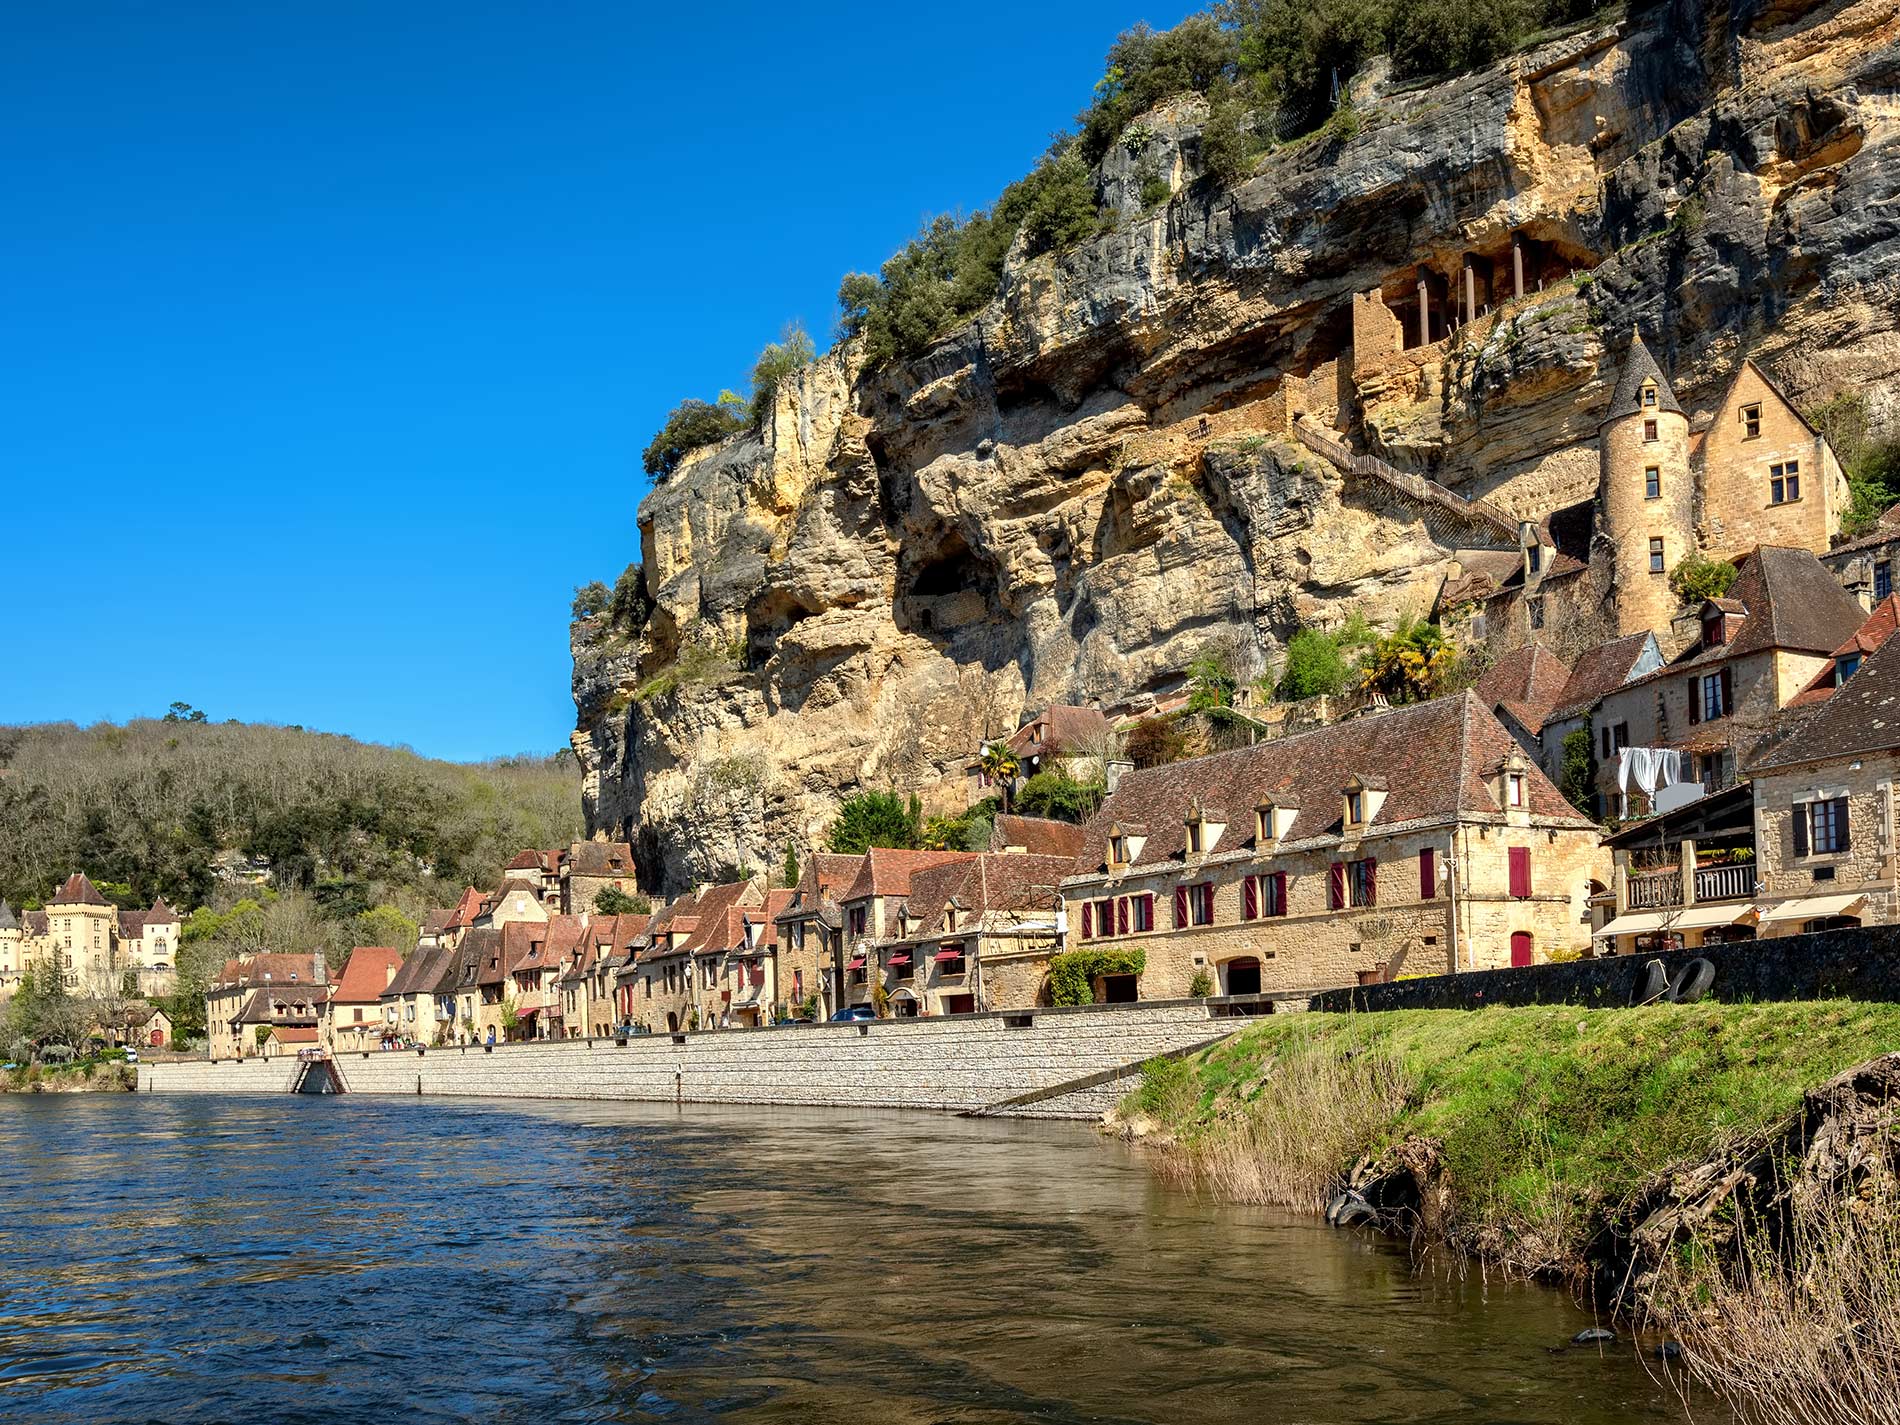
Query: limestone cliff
{"points": [[1064, 499]]}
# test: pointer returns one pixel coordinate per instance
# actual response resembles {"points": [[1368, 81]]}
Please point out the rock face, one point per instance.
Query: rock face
{"points": [[1067, 498]]}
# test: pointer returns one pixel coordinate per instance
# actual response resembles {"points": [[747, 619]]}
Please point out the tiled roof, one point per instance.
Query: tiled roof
{"points": [[285, 1034], [304, 1002], [7, 921], [78, 890], [1872, 634], [1435, 756], [1638, 367], [36, 922], [1862, 717], [161, 914], [419, 973], [886, 872], [601, 858], [997, 881], [716, 914], [436, 921], [528, 861], [824, 877], [1036, 835], [131, 924], [1527, 682], [1603, 669], [1062, 726], [465, 910], [777, 902], [366, 974], [272, 968]]}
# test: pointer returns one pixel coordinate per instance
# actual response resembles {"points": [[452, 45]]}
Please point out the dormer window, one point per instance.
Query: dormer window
{"points": [[1846, 667], [1355, 808], [1194, 837], [1649, 395], [1536, 555], [1118, 850], [1516, 788], [1363, 796], [1262, 825]]}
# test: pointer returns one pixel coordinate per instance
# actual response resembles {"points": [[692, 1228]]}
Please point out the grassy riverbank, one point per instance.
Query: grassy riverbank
{"points": [[1539, 1122], [85, 1076]]}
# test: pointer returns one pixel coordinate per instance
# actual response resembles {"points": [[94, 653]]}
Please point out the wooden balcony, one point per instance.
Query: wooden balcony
{"points": [[1662, 889]]}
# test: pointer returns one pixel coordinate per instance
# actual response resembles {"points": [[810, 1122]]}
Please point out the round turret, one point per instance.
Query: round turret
{"points": [[1647, 491]]}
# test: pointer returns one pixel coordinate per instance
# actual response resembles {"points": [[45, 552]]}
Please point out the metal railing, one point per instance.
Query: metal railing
{"points": [[1477, 512]]}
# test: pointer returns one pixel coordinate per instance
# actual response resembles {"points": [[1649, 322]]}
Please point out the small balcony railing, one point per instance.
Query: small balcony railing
{"points": [[1725, 883], [1654, 891]]}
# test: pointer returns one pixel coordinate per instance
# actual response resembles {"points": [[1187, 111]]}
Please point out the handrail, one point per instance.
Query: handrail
{"points": [[1417, 486]]}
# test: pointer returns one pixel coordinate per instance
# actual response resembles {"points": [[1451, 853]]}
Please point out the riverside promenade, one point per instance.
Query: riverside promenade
{"points": [[1040, 1063]]}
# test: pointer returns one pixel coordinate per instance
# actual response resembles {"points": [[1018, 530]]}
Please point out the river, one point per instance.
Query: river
{"points": [[303, 1259]]}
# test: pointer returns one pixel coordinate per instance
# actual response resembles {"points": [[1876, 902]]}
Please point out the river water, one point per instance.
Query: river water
{"points": [[303, 1259]]}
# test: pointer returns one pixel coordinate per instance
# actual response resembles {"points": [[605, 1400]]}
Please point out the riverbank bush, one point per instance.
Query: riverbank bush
{"points": [[1542, 1119]]}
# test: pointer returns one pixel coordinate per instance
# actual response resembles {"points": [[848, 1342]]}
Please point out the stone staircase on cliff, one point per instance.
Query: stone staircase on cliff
{"points": [[1454, 521]]}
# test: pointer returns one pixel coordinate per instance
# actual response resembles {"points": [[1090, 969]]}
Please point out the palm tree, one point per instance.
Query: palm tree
{"points": [[1000, 766]]}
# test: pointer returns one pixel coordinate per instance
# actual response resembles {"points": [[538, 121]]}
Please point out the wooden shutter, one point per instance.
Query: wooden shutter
{"points": [[1250, 898], [1520, 871], [1279, 892], [1338, 887], [1372, 881], [1207, 902], [1427, 873], [1800, 828], [1840, 823], [1180, 907], [1728, 691], [1695, 700], [1088, 919], [1121, 916]]}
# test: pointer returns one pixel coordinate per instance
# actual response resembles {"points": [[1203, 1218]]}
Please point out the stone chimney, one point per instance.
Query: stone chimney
{"points": [[319, 971]]}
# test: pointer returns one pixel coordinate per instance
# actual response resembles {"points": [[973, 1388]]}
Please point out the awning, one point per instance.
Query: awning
{"points": [[1813, 907], [857, 964], [1686, 917], [942, 955], [524, 1013], [899, 959]]}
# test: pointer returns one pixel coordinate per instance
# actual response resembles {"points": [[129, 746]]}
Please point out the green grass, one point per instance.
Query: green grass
{"points": [[1545, 1118]]}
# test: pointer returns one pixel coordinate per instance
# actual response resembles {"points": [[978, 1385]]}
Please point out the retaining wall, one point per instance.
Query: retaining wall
{"points": [[1862, 963], [980, 1062]]}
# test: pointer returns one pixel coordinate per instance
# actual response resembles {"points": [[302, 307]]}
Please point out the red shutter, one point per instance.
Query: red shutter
{"points": [[1372, 881], [1121, 916], [1279, 892], [1520, 871], [1088, 920], [1250, 898], [1180, 907], [1338, 888], [1427, 873], [1207, 902]]}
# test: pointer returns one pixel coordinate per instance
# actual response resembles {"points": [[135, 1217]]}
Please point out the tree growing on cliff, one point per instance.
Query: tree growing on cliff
{"points": [[611, 900], [875, 819], [788, 876], [1695, 579], [589, 599], [692, 424], [780, 359], [1000, 767], [1059, 797]]}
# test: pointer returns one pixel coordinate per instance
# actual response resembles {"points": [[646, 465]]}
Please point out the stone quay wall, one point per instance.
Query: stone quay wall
{"points": [[1044, 1063], [1861, 963]]}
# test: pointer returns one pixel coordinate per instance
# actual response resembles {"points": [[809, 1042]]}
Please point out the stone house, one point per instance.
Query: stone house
{"points": [[1865, 566], [268, 991], [974, 934], [353, 1015], [517, 900], [749, 983], [602, 945], [409, 1000], [811, 932], [1755, 649], [12, 952], [541, 869], [540, 955], [871, 907], [590, 867], [477, 984], [1599, 672], [1419, 841], [677, 976], [92, 944]]}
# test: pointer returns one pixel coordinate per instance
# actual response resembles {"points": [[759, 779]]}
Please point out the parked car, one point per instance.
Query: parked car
{"points": [[131, 1056], [853, 1012]]}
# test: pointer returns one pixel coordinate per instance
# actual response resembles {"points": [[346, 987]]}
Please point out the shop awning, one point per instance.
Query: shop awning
{"points": [[900, 958], [947, 955], [1813, 907], [1687, 917], [857, 964], [525, 1013]]}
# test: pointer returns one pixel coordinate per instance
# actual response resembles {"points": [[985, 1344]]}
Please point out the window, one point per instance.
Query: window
{"points": [[1652, 483], [1536, 557], [1250, 898], [1649, 429], [1784, 482], [1194, 838], [1883, 579], [1535, 609], [1515, 783], [1362, 882], [1428, 874], [1355, 808], [1711, 696], [1201, 903], [1263, 895], [1106, 919], [1520, 869], [1820, 828], [1276, 892], [859, 918], [1655, 556], [1142, 912], [1714, 631], [1845, 668], [1649, 396], [1117, 851], [1620, 737], [1751, 421]]}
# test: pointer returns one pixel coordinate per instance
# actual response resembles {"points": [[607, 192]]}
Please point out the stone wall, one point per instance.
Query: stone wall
{"points": [[1865, 868], [962, 1064], [1863, 963]]}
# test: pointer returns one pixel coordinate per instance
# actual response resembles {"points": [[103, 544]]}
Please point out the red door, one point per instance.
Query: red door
{"points": [[1520, 948]]}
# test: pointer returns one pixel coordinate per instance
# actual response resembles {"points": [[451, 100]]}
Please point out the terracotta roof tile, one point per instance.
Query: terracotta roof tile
{"points": [[601, 858], [887, 872], [1528, 681], [1862, 717], [1036, 835], [1602, 670], [366, 974], [78, 890]]}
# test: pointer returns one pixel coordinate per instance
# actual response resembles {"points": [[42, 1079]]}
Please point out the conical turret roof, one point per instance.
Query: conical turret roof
{"points": [[1639, 366], [7, 922]]}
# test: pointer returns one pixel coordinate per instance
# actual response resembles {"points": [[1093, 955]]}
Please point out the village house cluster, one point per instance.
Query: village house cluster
{"points": [[1727, 771]]}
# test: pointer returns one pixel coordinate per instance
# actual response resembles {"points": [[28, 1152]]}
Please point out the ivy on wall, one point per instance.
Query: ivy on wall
{"points": [[1072, 976]]}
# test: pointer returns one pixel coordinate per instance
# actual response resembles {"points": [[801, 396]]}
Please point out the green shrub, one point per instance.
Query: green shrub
{"points": [[629, 605], [691, 424], [1059, 797], [1872, 466], [1146, 66], [780, 359], [1315, 666], [1201, 985], [1155, 742], [1155, 190], [611, 900], [1072, 975], [1578, 776], [875, 819], [1695, 578], [590, 599]]}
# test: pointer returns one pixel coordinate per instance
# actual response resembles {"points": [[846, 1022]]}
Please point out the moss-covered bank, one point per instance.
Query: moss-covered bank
{"points": [[1524, 1132]]}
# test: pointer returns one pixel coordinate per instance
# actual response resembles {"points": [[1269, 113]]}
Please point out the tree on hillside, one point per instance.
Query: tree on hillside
{"points": [[1001, 767], [788, 875], [875, 819], [611, 900], [690, 425], [1059, 797]]}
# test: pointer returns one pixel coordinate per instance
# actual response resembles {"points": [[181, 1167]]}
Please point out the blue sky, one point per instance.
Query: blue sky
{"points": [[330, 334]]}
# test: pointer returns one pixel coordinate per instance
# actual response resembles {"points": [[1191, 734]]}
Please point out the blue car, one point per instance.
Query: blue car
{"points": [[853, 1012]]}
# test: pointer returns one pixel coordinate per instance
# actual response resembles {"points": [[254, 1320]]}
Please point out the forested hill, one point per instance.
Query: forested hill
{"points": [[152, 804]]}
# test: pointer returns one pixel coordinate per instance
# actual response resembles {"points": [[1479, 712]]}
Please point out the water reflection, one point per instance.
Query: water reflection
{"points": [[301, 1259]]}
